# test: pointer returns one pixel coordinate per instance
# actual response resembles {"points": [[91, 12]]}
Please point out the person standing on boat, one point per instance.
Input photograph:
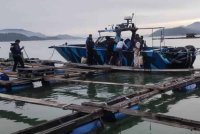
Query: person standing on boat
{"points": [[136, 51], [142, 43], [16, 53], [89, 48], [119, 49], [109, 49]]}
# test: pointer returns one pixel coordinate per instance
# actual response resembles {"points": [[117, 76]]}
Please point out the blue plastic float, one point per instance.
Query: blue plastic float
{"points": [[87, 128]]}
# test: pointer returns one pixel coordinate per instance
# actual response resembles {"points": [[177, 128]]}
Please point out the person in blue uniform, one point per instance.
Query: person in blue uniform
{"points": [[16, 53], [90, 51]]}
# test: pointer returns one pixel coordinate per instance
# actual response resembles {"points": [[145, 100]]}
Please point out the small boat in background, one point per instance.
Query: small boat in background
{"points": [[191, 35], [155, 57]]}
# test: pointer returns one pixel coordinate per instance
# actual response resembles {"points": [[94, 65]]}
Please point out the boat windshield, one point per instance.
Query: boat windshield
{"points": [[101, 41]]}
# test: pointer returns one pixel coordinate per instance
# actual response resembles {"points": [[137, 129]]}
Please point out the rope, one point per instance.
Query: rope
{"points": [[27, 57], [26, 53], [150, 127]]}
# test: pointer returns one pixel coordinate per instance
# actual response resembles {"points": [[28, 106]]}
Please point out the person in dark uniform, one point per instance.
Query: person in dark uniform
{"points": [[143, 43], [110, 49], [89, 48], [16, 53]]}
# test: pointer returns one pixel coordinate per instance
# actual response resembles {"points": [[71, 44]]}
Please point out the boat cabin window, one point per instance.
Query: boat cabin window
{"points": [[126, 35], [100, 42]]}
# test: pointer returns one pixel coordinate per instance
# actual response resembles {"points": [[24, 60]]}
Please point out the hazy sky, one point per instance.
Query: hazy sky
{"points": [[80, 17]]}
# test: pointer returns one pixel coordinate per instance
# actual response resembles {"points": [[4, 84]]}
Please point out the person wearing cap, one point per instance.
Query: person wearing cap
{"points": [[16, 53], [90, 51]]}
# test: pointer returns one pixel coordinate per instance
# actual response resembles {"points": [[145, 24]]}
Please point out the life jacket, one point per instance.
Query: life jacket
{"points": [[90, 43], [15, 49]]}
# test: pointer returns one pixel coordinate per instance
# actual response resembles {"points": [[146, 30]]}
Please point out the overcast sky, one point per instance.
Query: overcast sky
{"points": [[80, 17]]}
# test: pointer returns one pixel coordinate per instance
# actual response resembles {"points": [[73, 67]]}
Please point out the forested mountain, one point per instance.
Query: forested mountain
{"points": [[25, 35], [181, 30]]}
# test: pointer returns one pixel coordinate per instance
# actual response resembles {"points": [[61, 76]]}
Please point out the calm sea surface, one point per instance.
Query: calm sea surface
{"points": [[15, 116]]}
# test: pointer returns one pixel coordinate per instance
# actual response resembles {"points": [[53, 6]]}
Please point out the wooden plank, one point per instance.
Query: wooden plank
{"points": [[122, 104], [119, 105], [18, 82], [14, 82], [107, 67], [127, 102], [73, 75], [164, 119], [153, 117], [128, 96], [117, 99], [50, 124], [9, 73], [136, 99], [4, 83], [124, 68], [32, 100], [146, 94], [172, 85], [76, 69], [101, 82], [52, 61], [115, 84], [179, 83], [128, 68], [36, 68], [84, 109], [70, 125]]}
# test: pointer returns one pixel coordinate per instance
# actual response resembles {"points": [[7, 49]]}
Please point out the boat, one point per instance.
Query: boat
{"points": [[152, 57], [191, 35]]}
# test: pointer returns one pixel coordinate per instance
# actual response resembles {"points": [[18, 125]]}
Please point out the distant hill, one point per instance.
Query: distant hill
{"points": [[181, 30], [66, 36], [194, 26], [25, 35], [14, 36], [24, 32]]}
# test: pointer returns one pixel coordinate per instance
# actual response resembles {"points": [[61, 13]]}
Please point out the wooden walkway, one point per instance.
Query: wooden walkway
{"points": [[95, 111], [130, 69], [89, 111], [119, 104], [46, 74]]}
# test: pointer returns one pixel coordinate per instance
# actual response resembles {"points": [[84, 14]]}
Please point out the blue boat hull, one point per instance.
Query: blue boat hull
{"points": [[152, 59]]}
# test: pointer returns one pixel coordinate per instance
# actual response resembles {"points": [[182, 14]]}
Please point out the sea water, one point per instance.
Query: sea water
{"points": [[15, 116]]}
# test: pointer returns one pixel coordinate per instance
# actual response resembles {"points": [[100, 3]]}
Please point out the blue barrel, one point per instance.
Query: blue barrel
{"points": [[87, 128], [112, 117], [59, 71], [190, 88], [4, 77], [119, 116]]}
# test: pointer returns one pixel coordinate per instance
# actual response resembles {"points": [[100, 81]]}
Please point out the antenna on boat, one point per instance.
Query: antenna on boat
{"points": [[129, 19], [132, 15]]}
